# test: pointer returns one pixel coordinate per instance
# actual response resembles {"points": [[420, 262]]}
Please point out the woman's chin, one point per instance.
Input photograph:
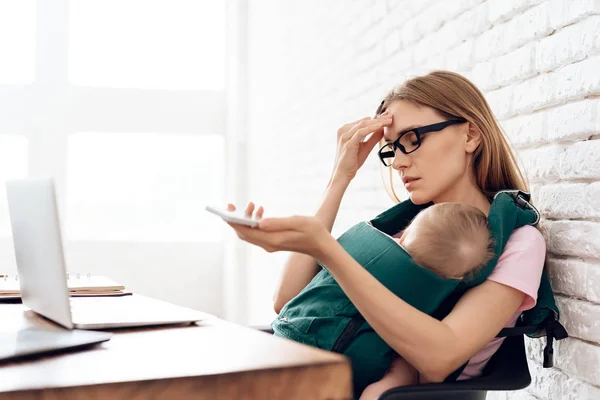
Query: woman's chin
{"points": [[418, 198]]}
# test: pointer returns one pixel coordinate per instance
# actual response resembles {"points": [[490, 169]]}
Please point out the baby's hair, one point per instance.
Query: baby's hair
{"points": [[452, 237]]}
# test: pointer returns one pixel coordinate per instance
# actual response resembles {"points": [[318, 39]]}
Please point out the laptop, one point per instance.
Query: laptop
{"points": [[42, 272]]}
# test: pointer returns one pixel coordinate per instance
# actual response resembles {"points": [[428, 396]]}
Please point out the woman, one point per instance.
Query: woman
{"points": [[465, 162]]}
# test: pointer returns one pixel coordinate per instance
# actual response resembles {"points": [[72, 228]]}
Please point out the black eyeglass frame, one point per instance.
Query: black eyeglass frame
{"points": [[418, 132]]}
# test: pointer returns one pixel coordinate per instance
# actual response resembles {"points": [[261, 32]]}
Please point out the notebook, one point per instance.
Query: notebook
{"points": [[79, 286]]}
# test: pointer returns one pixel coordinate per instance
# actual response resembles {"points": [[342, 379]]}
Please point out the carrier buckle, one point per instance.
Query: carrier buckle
{"points": [[521, 199]]}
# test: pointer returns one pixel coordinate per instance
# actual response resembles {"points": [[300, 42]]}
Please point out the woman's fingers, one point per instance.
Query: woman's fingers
{"points": [[353, 123], [252, 235], [363, 122], [365, 127], [270, 240], [373, 139], [260, 212], [296, 233], [281, 223], [250, 210], [344, 128], [362, 133]]}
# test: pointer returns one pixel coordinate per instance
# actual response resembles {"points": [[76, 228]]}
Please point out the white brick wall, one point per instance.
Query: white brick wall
{"points": [[315, 65]]}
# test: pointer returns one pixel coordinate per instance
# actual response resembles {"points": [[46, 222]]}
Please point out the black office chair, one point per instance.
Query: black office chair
{"points": [[506, 370]]}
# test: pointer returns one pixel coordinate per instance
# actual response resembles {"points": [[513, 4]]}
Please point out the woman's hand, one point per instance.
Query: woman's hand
{"points": [[301, 234], [352, 149], [249, 210]]}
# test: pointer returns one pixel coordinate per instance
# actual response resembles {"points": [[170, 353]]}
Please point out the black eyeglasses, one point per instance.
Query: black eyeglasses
{"points": [[410, 140]]}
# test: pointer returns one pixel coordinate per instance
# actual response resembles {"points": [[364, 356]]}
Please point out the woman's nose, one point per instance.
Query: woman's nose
{"points": [[401, 160]]}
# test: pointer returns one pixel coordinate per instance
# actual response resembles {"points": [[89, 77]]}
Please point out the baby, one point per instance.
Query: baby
{"points": [[452, 240]]}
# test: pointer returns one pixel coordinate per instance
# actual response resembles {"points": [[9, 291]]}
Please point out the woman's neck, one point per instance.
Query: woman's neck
{"points": [[467, 193]]}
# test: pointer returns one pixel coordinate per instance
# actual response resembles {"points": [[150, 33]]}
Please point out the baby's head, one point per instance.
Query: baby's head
{"points": [[451, 239]]}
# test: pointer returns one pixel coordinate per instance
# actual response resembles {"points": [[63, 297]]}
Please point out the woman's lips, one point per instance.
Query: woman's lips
{"points": [[411, 183]]}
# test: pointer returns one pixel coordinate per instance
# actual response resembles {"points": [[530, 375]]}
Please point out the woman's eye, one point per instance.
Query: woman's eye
{"points": [[421, 137]]}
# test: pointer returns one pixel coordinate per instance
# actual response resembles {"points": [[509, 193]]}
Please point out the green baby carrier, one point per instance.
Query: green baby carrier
{"points": [[321, 315]]}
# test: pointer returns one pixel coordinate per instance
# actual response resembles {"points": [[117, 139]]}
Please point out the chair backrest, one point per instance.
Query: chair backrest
{"points": [[508, 368]]}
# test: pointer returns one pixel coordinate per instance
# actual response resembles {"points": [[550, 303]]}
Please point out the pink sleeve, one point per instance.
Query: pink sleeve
{"points": [[521, 263]]}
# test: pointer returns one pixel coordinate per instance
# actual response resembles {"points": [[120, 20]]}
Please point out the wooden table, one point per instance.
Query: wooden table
{"points": [[213, 359]]}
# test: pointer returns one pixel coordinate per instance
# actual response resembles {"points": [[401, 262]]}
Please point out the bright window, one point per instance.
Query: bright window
{"points": [[13, 164], [144, 186], [17, 41], [149, 44]]}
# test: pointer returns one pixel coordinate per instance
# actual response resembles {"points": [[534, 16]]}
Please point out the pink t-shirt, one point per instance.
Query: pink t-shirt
{"points": [[520, 266]]}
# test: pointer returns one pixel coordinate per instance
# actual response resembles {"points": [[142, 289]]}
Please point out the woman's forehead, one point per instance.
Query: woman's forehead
{"points": [[408, 112], [407, 115]]}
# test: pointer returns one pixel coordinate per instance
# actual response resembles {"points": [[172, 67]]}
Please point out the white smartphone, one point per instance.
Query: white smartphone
{"points": [[237, 217]]}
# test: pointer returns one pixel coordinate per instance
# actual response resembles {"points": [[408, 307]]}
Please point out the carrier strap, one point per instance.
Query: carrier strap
{"points": [[518, 330], [553, 329]]}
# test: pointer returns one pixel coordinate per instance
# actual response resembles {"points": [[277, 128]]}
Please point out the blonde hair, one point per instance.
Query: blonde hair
{"points": [[452, 95], [454, 240]]}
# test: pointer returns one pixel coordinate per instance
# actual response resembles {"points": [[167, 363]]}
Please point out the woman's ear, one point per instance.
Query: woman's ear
{"points": [[473, 137]]}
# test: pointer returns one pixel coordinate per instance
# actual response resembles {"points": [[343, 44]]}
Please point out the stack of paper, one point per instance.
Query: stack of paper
{"points": [[78, 287]]}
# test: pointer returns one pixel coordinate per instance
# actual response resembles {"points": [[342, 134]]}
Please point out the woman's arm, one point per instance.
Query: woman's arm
{"points": [[353, 148], [435, 348], [301, 268]]}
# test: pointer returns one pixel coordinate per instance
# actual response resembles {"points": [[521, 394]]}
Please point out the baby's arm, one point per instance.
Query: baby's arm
{"points": [[400, 373]]}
